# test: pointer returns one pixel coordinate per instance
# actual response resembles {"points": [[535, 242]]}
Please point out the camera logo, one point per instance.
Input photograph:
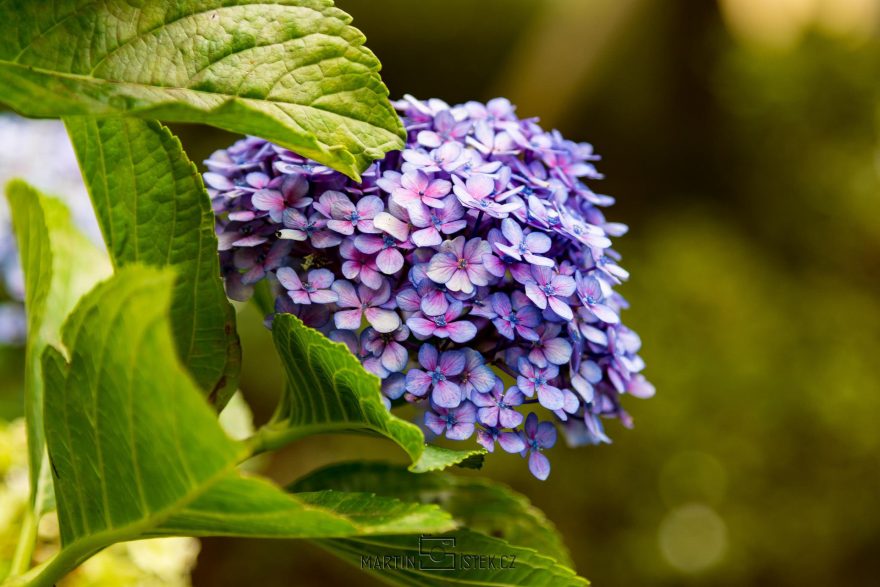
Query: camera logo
{"points": [[436, 553]]}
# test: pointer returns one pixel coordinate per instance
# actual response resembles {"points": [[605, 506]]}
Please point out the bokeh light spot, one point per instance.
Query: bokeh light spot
{"points": [[693, 537]]}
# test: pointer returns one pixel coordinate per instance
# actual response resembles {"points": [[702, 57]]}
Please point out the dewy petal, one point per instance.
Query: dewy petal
{"points": [[446, 394], [539, 465], [383, 320]]}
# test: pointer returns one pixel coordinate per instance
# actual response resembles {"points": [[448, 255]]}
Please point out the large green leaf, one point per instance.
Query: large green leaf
{"points": [[137, 451], [290, 71], [153, 209], [460, 558], [328, 390], [60, 265], [479, 504]]}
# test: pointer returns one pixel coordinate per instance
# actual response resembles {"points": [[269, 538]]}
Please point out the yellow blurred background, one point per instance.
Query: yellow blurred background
{"points": [[740, 138]]}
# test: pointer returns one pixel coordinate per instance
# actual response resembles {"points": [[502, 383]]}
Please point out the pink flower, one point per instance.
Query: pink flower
{"points": [[365, 302], [314, 290], [459, 264]]}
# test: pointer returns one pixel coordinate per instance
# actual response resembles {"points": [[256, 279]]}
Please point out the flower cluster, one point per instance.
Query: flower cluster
{"points": [[471, 272]]}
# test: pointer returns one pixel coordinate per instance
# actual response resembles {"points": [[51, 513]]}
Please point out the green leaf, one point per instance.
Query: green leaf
{"points": [[459, 558], [136, 450], [479, 504], [153, 209], [329, 391], [238, 506], [60, 265], [290, 71]]}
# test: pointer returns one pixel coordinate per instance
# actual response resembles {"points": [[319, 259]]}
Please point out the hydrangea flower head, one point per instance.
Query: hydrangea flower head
{"points": [[472, 272]]}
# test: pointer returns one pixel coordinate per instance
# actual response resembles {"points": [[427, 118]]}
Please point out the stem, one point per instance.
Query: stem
{"points": [[53, 570], [24, 550]]}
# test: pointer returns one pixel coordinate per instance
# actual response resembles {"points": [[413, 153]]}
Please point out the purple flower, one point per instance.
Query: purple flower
{"points": [[444, 325], [589, 291], [477, 377], [437, 376], [484, 232], [345, 215], [315, 290], [386, 346], [360, 265], [300, 228], [457, 423], [528, 247], [256, 261], [520, 317], [417, 187], [448, 158], [550, 347], [498, 408], [478, 192], [433, 223], [365, 302], [459, 264], [274, 201], [538, 437], [547, 288], [588, 375], [532, 380], [446, 129], [511, 442], [388, 259]]}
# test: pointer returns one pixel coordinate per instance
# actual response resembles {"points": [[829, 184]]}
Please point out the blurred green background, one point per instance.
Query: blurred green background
{"points": [[741, 140]]}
